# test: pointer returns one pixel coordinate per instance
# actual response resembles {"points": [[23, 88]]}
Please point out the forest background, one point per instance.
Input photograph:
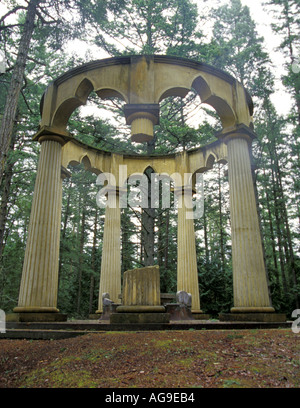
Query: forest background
{"points": [[41, 39]]}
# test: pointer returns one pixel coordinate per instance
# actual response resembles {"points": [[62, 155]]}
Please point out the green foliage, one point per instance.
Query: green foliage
{"points": [[150, 26], [238, 49], [147, 27]]}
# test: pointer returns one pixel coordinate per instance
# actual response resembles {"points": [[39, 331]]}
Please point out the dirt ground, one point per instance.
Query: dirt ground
{"points": [[159, 359]]}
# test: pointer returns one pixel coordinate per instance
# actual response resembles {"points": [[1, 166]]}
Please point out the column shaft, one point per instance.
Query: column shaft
{"points": [[110, 278], [249, 274], [39, 283], [187, 273]]}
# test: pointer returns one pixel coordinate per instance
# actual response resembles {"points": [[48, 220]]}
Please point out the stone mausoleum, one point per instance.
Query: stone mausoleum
{"points": [[143, 82]]}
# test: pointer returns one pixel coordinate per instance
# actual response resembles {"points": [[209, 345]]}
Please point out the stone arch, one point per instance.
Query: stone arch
{"points": [[209, 163], [170, 76], [175, 91], [106, 93], [85, 160], [88, 165], [64, 111], [201, 87], [83, 90], [222, 107], [67, 107]]}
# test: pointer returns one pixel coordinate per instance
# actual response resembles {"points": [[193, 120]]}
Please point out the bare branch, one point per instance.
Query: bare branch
{"points": [[14, 10], [10, 26]]}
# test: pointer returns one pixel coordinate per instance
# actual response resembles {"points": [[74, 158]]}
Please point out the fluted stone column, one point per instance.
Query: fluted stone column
{"points": [[39, 283], [187, 273], [110, 277], [249, 274]]}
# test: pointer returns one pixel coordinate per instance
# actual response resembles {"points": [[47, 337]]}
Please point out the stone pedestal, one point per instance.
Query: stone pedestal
{"points": [[108, 311], [141, 298], [179, 311], [141, 287]]}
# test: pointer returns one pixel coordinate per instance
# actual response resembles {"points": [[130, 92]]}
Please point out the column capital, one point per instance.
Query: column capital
{"points": [[147, 110], [50, 133], [239, 131], [142, 117]]}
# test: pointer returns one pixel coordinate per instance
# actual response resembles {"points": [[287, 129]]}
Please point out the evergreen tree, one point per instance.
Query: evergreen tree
{"points": [[287, 25], [150, 27], [238, 49]]}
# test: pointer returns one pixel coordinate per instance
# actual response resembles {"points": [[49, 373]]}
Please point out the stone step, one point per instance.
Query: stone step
{"points": [[36, 334], [60, 330]]}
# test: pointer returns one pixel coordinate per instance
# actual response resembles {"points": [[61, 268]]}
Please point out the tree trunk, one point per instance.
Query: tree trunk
{"points": [[273, 244], [166, 263], [81, 245], [278, 232], [5, 194], [160, 242], [148, 215], [205, 239], [64, 229], [222, 252], [16, 85]]}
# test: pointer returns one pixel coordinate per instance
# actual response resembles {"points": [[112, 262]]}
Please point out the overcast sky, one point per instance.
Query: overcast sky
{"points": [[281, 99]]}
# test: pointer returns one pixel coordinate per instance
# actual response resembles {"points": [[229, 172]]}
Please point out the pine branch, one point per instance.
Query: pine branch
{"points": [[14, 10]]}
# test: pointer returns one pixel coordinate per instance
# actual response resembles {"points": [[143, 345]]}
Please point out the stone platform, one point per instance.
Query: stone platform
{"points": [[68, 329], [253, 317], [36, 317], [150, 318]]}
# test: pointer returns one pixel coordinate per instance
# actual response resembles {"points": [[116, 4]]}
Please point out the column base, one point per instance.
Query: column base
{"points": [[35, 309], [140, 309], [200, 315], [142, 318], [36, 317], [249, 309], [94, 316], [266, 317]]}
